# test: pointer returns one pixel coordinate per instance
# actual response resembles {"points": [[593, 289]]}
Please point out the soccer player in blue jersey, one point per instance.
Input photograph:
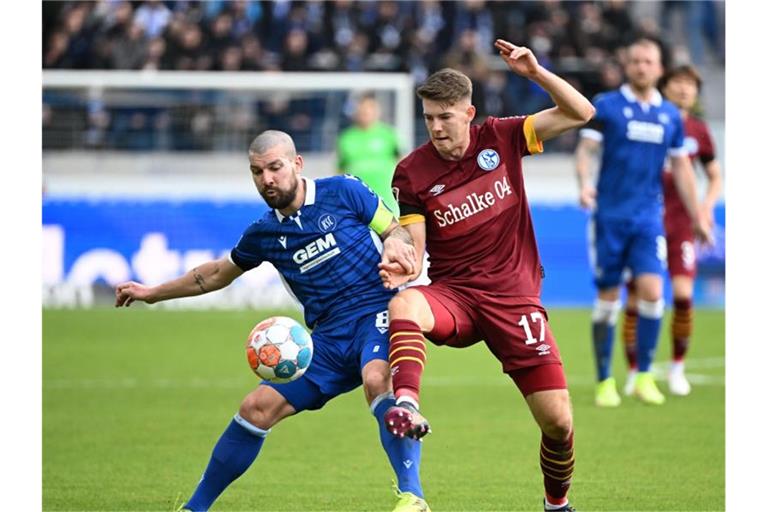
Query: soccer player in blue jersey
{"points": [[637, 130], [324, 237]]}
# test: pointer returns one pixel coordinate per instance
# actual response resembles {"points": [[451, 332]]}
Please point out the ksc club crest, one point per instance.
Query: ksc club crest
{"points": [[488, 159], [326, 223]]}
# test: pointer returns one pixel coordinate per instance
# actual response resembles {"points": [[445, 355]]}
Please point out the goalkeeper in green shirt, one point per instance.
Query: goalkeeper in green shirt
{"points": [[369, 149]]}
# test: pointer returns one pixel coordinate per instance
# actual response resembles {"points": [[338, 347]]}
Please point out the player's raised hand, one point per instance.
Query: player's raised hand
{"points": [[127, 293], [519, 58]]}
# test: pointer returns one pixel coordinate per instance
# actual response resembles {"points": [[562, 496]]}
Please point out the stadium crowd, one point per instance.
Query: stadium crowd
{"points": [[581, 40]]}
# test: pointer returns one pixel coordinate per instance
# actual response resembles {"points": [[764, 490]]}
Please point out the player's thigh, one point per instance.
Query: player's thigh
{"points": [[552, 411], [264, 407], [681, 253], [518, 335], [411, 304], [329, 374], [455, 324], [608, 242], [647, 252]]}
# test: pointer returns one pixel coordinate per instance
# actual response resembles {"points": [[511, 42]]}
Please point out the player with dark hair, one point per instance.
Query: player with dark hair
{"points": [[681, 86], [462, 198], [637, 130], [319, 234]]}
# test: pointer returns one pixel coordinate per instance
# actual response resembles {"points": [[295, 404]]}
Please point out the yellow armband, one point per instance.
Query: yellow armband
{"points": [[381, 219], [531, 140]]}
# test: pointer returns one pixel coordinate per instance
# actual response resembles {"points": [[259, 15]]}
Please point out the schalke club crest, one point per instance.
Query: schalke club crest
{"points": [[488, 159]]}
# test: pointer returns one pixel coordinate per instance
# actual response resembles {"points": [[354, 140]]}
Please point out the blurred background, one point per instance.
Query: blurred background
{"points": [[149, 107]]}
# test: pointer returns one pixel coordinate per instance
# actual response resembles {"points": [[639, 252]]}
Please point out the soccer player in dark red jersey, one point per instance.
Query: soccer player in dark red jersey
{"points": [[681, 86], [462, 197]]}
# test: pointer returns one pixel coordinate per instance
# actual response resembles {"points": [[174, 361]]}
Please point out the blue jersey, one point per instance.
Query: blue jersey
{"points": [[326, 252], [636, 140]]}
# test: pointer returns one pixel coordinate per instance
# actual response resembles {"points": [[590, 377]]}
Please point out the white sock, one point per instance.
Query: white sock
{"points": [[677, 367], [549, 506], [409, 399]]}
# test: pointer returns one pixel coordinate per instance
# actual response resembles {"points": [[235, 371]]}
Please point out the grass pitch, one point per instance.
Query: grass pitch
{"points": [[134, 400]]}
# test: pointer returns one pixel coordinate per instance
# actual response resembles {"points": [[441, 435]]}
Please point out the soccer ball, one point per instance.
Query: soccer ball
{"points": [[279, 349]]}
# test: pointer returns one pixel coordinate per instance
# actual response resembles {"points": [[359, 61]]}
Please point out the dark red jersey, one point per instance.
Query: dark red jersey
{"points": [[700, 147], [479, 229]]}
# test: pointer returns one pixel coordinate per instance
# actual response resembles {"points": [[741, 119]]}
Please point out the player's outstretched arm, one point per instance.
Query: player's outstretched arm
{"points": [[400, 261], [571, 109], [685, 182], [586, 151], [204, 278]]}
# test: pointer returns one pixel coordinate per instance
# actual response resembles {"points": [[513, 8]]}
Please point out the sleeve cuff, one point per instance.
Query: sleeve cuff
{"points": [[589, 133], [682, 151]]}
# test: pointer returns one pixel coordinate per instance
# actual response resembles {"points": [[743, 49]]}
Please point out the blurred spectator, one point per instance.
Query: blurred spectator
{"points": [[295, 54], [473, 15], [700, 24], [153, 16], [465, 57], [581, 40], [130, 48], [155, 54], [220, 37], [387, 46], [245, 16], [56, 54]]}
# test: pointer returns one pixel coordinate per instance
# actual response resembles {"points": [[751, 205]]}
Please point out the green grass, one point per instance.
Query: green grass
{"points": [[134, 400]]}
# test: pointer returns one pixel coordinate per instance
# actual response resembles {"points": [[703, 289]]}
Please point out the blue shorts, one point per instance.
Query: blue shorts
{"points": [[338, 360], [617, 245]]}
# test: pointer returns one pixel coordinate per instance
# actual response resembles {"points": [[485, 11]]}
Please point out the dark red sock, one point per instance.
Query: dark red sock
{"points": [[407, 355], [557, 463], [682, 326], [629, 334]]}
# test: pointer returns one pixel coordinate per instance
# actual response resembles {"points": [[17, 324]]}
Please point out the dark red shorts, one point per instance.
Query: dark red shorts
{"points": [[516, 330], [681, 252]]}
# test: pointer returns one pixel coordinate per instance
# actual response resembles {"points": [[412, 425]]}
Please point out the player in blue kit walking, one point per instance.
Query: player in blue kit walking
{"points": [[638, 130], [324, 237]]}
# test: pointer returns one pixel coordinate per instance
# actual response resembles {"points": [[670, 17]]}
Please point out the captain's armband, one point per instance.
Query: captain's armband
{"points": [[381, 219]]}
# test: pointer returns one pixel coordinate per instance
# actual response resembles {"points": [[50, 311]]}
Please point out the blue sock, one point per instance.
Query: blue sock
{"points": [[404, 453], [602, 341], [604, 317], [235, 451], [649, 316]]}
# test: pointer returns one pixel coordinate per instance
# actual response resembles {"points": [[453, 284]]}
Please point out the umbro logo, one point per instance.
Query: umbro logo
{"points": [[283, 240], [437, 189], [543, 349], [408, 463]]}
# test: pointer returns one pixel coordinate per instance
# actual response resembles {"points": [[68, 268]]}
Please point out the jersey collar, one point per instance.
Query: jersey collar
{"points": [[309, 197], [626, 91]]}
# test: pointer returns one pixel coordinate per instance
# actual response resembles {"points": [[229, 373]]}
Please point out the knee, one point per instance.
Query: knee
{"points": [[256, 412], [558, 427], [377, 382], [401, 306]]}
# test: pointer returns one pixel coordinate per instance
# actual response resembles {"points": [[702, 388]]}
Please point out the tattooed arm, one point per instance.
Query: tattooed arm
{"points": [[399, 261], [204, 278]]}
